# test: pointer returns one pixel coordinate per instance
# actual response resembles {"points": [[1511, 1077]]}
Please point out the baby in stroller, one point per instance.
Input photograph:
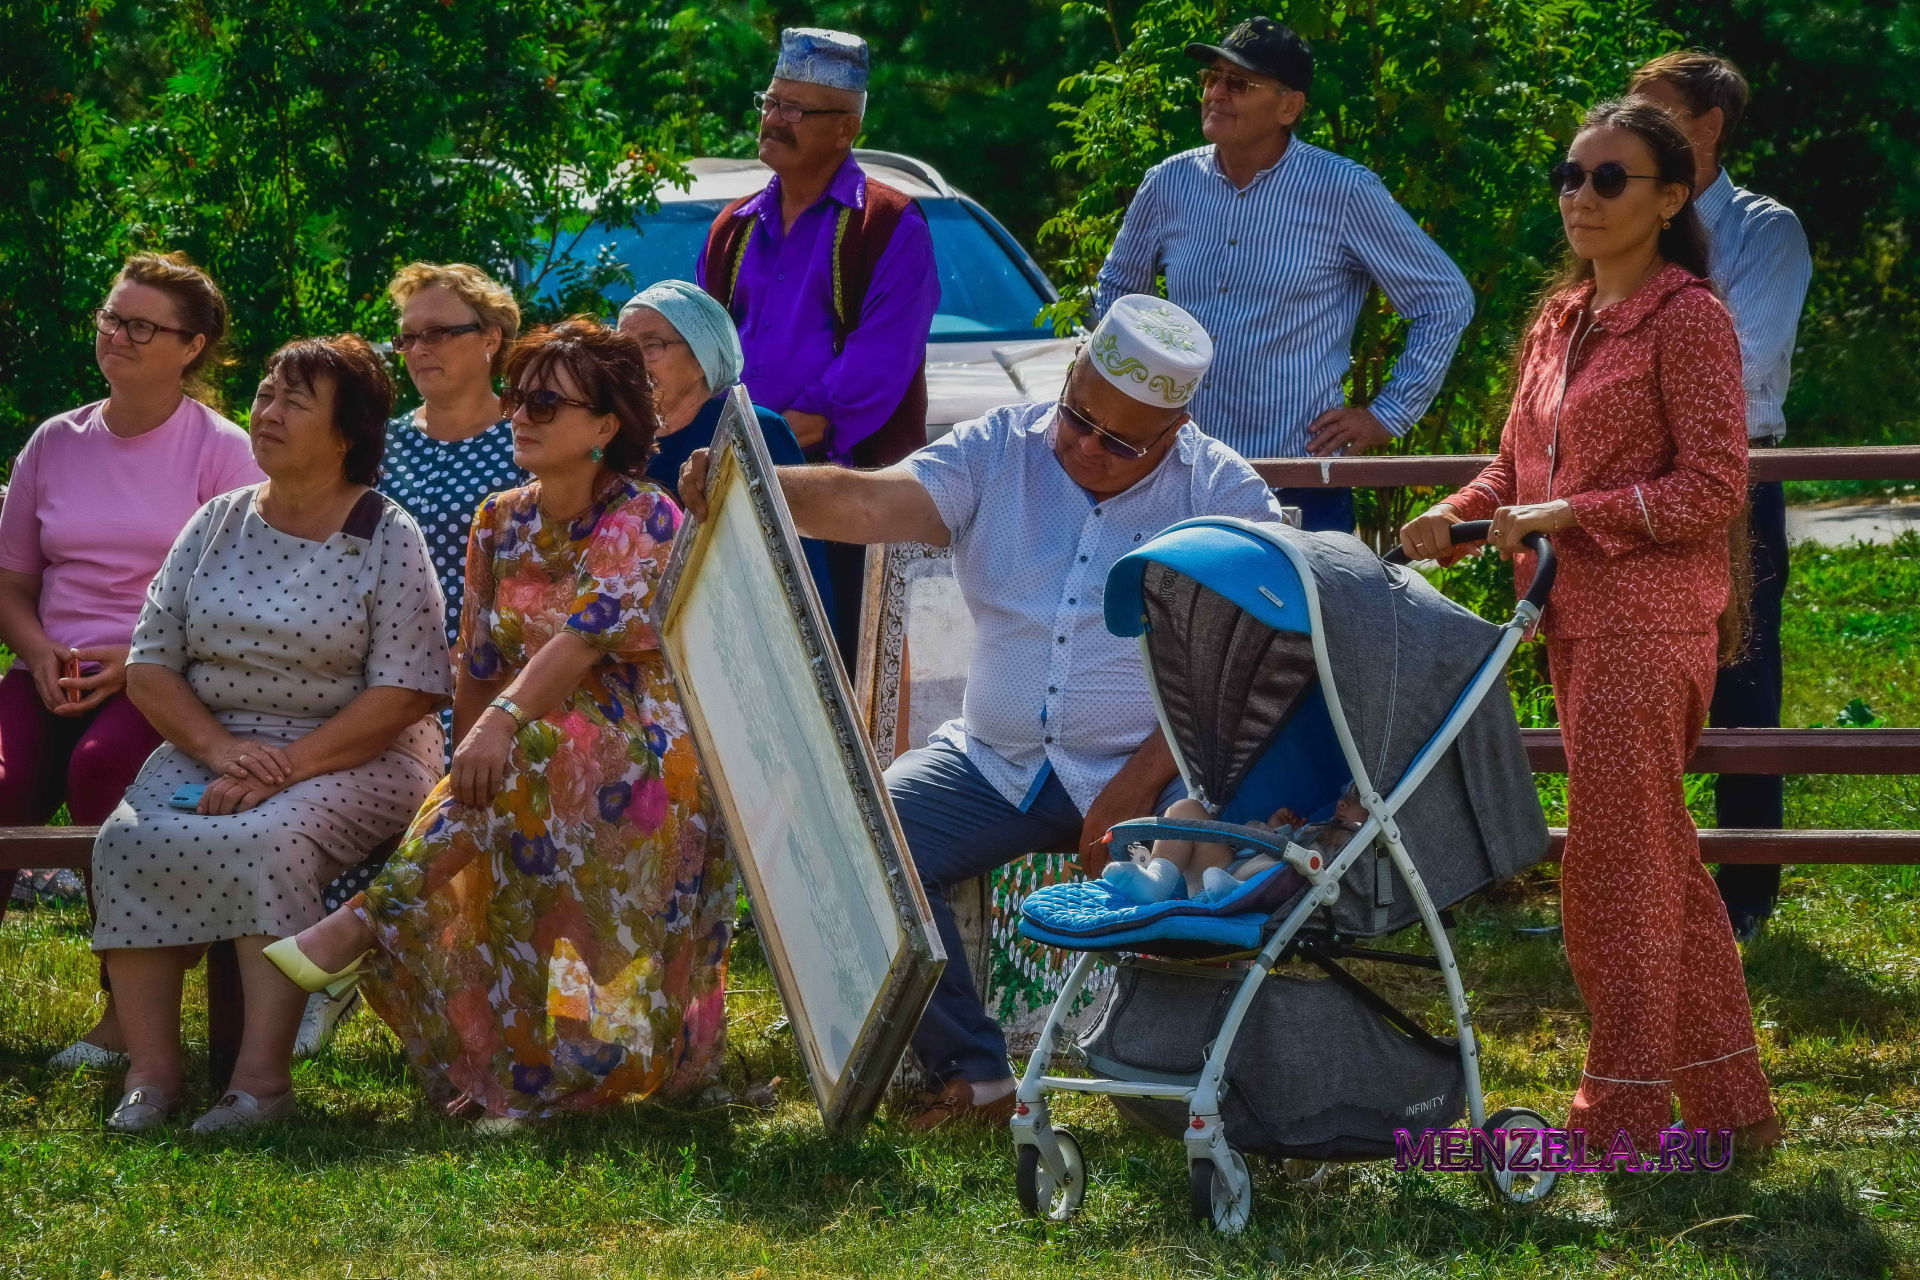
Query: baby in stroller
{"points": [[1202, 869]]}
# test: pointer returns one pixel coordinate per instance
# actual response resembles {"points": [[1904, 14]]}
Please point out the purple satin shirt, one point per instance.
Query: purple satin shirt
{"points": [[783, 304]]}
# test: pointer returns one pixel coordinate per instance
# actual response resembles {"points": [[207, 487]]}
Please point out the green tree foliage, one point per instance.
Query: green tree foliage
{"points": [[301, 152]]}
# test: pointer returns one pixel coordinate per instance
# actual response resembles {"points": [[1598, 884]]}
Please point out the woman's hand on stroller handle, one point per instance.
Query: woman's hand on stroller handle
{"points": [[1440, 534]]}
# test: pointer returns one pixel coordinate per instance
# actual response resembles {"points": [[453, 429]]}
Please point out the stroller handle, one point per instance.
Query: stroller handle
{"points": [[1476, 531]]}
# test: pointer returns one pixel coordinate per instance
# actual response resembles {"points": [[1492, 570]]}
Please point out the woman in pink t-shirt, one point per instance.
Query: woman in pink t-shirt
{"points": [[94, 504]]}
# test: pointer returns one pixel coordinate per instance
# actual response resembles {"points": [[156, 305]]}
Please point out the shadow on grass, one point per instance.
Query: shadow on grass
{"points": [[1811, 991]]}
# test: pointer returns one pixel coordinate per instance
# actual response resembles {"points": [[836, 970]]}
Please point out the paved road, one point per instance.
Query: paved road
{"points": [[1836, 526]]}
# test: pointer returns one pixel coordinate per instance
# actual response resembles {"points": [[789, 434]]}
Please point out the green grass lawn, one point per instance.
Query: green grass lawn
{"points": [[367, 1184]]}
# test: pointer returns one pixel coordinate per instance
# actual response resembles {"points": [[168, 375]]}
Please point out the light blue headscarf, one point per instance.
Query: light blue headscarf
{"points": [[705, 325]]}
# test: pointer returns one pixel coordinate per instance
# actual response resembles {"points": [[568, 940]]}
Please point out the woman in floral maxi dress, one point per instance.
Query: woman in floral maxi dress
{"points": [[560, 945]]}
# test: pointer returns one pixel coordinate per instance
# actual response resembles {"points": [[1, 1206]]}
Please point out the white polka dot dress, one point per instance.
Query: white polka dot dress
{"points": [[275, 634]]}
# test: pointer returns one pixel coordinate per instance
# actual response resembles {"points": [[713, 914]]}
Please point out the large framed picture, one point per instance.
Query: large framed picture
{"points": [[839, 907]]}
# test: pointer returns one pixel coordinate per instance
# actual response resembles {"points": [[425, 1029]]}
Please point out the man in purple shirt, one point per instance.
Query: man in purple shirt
{"points": [[830, 277]]}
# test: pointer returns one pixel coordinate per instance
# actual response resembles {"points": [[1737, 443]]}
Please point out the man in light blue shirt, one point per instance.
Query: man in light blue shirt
{"points": [[1058, 739], [1760, 265], [1272, 243]]}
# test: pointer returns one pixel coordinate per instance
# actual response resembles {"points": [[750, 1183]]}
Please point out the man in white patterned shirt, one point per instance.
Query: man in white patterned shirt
{"points": [[1272, 243], [1058, 740], [1761, 267]]}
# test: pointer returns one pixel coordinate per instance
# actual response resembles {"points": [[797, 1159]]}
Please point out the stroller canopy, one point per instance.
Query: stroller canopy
{"points": [[1230, 611]]}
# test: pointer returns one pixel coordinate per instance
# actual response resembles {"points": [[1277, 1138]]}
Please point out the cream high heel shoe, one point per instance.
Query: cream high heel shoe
{"points": [[308, 976]]}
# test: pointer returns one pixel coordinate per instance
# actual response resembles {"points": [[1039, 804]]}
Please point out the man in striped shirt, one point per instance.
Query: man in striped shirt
{"points": [[1272, 243], [1761, 267]]}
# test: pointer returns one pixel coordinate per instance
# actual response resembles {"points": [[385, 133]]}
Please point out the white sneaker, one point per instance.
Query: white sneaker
{"points": [[84, 1054], [322, 1016]]}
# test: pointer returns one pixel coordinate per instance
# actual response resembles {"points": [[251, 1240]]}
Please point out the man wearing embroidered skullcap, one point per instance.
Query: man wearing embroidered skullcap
{"points": [[830, 278], [1058, 739], [1273, 243]]}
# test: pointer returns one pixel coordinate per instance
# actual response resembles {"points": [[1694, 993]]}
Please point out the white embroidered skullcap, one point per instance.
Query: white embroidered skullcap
{"points": [[1152, 350]]}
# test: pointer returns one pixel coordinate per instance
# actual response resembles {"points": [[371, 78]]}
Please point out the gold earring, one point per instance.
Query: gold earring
{"points": [[1666, 224]]}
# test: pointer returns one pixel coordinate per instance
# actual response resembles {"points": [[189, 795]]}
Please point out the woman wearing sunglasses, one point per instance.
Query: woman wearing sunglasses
{"points": [[552, 934], [97, 497], [1626, 444]]}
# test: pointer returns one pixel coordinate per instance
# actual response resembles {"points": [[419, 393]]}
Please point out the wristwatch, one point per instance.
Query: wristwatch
{"points": [[512, 708]]}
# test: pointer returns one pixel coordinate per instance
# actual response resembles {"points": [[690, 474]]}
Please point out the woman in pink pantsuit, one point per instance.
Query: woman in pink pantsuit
{"points": [[1627, 444]]}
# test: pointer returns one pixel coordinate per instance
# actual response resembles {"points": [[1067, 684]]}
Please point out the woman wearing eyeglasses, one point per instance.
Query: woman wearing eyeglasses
{"points": [[1627, 444], [96, 499], [552, 934], [456, 323], [694, 358]]}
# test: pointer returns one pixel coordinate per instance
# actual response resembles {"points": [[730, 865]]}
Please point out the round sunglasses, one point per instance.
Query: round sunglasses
{"points": [[1609, 178], [1112, 443], [541, 403]]}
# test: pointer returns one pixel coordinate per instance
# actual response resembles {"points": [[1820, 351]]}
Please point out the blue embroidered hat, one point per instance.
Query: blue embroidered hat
{"points": [[814, 55]]}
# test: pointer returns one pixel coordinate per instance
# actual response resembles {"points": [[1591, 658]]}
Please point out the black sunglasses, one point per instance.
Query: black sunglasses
{"points": [[1112, 443], [541, 403], [1609, 178]]}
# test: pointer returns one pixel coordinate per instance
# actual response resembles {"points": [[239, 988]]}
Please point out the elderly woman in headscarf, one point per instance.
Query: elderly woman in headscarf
{"points": [[693, 354]]}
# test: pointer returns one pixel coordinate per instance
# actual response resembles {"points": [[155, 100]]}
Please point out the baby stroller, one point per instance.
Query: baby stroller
{"points": [[1287, 667]]}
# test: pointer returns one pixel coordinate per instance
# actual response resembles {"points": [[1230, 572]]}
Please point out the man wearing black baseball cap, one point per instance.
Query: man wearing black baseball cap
{"points": [[1272, 243]]}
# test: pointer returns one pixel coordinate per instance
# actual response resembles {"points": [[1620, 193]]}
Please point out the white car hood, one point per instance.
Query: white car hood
{"points": [[965, 379]]}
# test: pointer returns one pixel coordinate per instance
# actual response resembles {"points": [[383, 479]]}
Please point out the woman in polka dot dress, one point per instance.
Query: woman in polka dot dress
{"points": [[456, 324], [1627, 443], [552, 934], [291, 652]]}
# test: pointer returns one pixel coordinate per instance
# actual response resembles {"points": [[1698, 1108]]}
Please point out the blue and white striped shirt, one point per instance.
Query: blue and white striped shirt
{"points": [[1276, 273], [1760, 264]]}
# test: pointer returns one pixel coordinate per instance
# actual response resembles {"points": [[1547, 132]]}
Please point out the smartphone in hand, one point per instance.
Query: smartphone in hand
{"points": [[72, 672], [187, 798]]}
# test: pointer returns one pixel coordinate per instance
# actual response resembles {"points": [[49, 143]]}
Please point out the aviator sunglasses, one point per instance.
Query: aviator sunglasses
{"points": [[1112, 443], [1609, 178]]}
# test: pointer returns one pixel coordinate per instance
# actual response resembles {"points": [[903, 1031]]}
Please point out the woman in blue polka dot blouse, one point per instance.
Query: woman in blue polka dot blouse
{"points": [[446, 456]]}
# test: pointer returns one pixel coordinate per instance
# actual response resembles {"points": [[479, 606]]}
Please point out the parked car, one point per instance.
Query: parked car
{"points": [[984, 349]]}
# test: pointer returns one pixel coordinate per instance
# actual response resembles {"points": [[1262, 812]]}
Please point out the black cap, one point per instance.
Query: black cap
{"points": [[1266, 48]]}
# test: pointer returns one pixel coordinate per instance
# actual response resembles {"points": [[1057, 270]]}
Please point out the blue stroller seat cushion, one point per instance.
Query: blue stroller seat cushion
{"points": [[1091, 915]]}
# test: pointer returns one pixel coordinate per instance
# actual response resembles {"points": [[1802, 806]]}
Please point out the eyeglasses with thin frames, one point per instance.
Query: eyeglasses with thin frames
{"points": [[140, 332], [541, 403], [1112, 443], [1236, 85], [791, 112], [431, 336], [652, 348]]}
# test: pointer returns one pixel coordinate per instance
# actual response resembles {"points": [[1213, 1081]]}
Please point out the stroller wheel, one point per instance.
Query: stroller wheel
{"points": [[1518, 1187], [1047, 1193], [1305, 1173], [1222, 1196]]}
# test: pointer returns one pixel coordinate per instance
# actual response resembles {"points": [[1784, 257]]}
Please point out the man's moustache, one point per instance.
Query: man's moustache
{"points": [[776, 135]]}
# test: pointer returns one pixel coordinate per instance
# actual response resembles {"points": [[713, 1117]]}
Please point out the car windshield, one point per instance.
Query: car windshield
{"points": [[985, 296]]}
